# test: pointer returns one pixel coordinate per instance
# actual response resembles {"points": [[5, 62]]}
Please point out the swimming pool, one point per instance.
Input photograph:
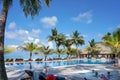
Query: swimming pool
{"points": [[37, 64], [113, 75]]}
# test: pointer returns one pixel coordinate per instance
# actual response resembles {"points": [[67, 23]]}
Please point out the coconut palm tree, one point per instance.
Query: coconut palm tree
{"points": [[54, 36], [92, 48], [73, 52], [112, 40], [61, 38], [30, 7], [77, 40], [58, 38], [67, 44], [31, 47], [45, 50], [59, 52]]}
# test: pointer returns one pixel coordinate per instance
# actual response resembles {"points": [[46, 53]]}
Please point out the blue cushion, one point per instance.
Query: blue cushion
{"points": [[60, 78], [42, 74]]}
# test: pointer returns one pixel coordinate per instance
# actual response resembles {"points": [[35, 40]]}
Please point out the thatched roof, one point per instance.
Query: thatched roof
{"points": [[105, 49]]}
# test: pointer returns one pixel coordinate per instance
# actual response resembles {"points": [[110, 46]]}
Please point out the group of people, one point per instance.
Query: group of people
{"points": [[46, 76], [102, 76]]}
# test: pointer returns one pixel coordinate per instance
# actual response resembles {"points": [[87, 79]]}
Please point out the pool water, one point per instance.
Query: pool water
{"points": [[113, 75], [36, 65]]}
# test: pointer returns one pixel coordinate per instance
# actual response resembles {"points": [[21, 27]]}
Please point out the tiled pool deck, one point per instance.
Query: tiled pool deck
{"points": [[76, 72]]}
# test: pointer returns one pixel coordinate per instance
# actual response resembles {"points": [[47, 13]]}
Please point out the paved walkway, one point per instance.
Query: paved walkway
{"points": [[72, 72], [75, 72]]}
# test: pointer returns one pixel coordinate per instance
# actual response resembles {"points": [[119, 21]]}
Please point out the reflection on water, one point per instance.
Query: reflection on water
{"points": [[34, 65], [30, 65], [113, 75]]}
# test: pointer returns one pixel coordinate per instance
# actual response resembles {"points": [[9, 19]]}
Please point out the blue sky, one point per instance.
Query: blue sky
{"points": [[92, 18]]}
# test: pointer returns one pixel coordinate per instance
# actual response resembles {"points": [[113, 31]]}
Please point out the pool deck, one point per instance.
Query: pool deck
{"points": [[70, 72]]}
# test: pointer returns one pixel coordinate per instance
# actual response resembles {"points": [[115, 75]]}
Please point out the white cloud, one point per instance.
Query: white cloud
{"points": [[10, 34], [49, 22], [100, 35], [22, 32], [84, 35], [118, 26], [30, 38], [50, 44], [13, 45], [35, 31], [23, 35], [68, 36], [12, 25], [73, 46], [37, 41], [85, 17]]}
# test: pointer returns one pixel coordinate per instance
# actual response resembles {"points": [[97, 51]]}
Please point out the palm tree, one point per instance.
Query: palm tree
{"points": [[30, 7], [61, 38], [112, 40], [67, 44], [58, 38], [54, 36], [73, 52], [9, 49], [31, 47], [45, 50], [92, 48], [77, 40], [59, 52]]}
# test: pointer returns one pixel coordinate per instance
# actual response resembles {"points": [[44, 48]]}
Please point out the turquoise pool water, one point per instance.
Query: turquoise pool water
{"points": [[113, 75], [37, 65]]}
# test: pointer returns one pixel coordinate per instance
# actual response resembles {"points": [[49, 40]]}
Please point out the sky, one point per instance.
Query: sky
{"points": [[91, 18]]}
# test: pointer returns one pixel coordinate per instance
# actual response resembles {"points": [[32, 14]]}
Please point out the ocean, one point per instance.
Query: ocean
{"points": [[26, 55]]}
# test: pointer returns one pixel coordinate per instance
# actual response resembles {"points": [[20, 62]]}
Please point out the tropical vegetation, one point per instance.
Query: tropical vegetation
{"points": [[112, 40], [77, 40], [45, 50], [31, 47], [30, 8], [9, 49], [93, 48], [59, 52]]}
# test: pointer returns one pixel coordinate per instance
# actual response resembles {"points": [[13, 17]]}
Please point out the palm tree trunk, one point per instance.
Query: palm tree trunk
{"points": [[77, 54], [3, 17], [45, 57], [30, 55], [59, 56], [118, 60], [67, 55]]}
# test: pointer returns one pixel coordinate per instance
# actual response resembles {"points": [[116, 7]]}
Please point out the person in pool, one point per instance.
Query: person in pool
{"points": [[103, 77], [96, 74], [108, 75], [93, 71]]}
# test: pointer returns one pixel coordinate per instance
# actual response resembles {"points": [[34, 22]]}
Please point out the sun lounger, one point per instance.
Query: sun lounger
{"points": [[42, 76], [103, 59], [9, 60], [60, 78]]}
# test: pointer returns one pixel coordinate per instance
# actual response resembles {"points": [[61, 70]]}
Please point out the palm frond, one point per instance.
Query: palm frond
{"points": [[30, 7], [47, 2]]}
